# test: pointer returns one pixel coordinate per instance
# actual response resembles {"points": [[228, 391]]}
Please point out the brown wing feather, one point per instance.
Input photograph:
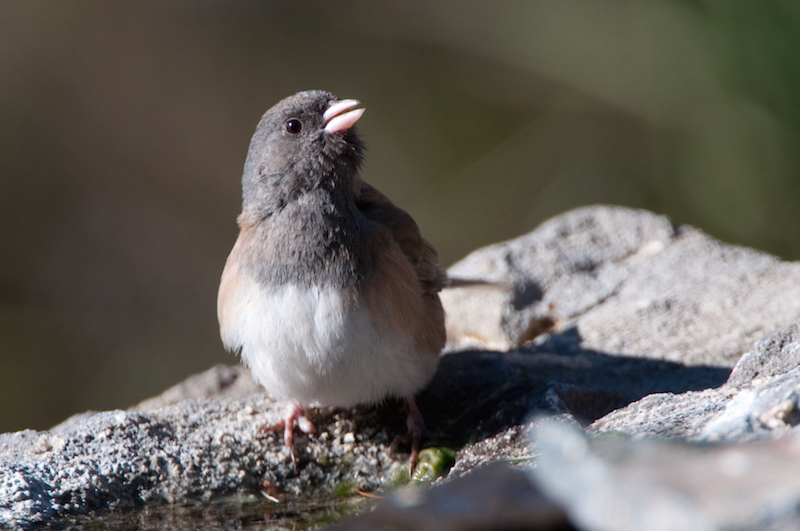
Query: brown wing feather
{"points": [[420, 253]]}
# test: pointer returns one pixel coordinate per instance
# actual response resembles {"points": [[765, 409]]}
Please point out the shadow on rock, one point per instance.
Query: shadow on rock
{"points": [[478, 394]]}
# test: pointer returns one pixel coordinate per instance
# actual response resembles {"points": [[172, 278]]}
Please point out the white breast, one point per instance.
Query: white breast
{"points": [[313, 346]]}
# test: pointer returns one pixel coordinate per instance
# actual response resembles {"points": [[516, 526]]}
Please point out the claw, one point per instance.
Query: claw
{"points": [[295, 412]]}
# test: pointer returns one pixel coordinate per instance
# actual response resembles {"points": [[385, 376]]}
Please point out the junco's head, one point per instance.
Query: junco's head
{"points": [[300, 144]]}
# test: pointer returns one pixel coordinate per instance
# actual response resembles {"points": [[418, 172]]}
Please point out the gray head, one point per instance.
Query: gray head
{"points": [[305, 142]]}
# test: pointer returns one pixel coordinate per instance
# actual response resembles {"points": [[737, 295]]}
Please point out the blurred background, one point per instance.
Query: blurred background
{"points": [[124, 127]]}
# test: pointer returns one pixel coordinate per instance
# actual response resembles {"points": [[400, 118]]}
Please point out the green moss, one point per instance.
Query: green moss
{"points": [[398, 476], [344, 489], [520, 459], [613, 434], [433, 462]]}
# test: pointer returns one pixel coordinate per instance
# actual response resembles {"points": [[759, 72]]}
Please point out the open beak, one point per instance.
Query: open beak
{"points": [[341, 115]]}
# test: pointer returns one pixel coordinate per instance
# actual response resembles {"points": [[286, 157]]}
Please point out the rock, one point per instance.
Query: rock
{"points": [[511, 445], [665, 415], [197, 450], [616, 322], [612, 483], [203, 449], [631, 283], [493, 497], [773, 356], [759, 400], [758, 412], [220, 381], [566, 266]]}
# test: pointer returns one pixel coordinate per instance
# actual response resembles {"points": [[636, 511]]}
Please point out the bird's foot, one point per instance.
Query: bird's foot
{"points": [[294, 413], [416, 427]]}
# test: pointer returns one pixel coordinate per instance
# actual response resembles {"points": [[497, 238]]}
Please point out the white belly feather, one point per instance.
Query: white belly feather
{"points": [[312, 346]]}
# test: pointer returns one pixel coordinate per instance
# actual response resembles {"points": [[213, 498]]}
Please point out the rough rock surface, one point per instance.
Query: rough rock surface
{"points": [[632, 283], [195, 450], [616, 322], [613, 483], [759, 400]]}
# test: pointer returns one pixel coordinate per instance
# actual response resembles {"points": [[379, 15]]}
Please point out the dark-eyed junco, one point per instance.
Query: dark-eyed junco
{"points": [[330, 292]]}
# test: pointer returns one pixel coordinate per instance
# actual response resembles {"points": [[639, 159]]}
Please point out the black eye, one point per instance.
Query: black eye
{"points": [[294, 126]]}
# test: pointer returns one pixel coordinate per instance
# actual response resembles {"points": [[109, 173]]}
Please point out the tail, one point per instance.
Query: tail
{"points": [[462, 282]]}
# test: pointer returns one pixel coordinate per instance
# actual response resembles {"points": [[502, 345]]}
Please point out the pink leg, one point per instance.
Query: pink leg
{"points": [[416, 427], [294, 412]]}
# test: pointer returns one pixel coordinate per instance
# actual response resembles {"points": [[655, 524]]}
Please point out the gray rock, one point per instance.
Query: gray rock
{"points": [[493, 497], [220, 381], [758, 412], [197, 450], [512, 445], [666, 415], [617, 321], [617, 484], [631, 283], [775, 355], [759, 400], [204, 449]]}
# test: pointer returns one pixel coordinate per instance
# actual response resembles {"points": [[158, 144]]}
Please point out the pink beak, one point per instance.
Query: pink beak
{"points": [[341, 115]]}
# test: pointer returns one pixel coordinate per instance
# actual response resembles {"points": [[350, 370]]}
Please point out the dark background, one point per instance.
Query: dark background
{"points": [[124, 127]]}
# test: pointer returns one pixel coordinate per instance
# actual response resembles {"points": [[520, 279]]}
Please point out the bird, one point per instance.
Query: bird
{"points": [[330, 293]]}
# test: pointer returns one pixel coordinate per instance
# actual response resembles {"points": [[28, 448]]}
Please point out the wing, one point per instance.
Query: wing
{"points": [[420, 253]]}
